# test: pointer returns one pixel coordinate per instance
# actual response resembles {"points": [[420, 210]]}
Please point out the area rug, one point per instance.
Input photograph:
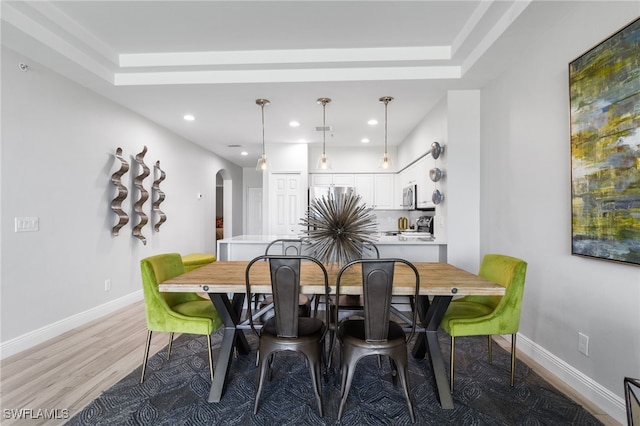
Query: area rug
{"points": [[175, 392]]}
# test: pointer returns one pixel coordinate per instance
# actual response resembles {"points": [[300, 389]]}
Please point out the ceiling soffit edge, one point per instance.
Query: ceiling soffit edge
{"points": [[287, 75], [285, 56], [505, 21], [49, 26]]}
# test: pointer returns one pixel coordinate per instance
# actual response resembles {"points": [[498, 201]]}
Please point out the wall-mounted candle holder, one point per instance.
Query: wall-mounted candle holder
{"points": [[162, 218], [116, 203], [143, 196]]}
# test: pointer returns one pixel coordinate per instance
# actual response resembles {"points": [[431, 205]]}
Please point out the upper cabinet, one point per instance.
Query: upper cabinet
{"points": [[327, 179], [376, 189], [384, 195]]}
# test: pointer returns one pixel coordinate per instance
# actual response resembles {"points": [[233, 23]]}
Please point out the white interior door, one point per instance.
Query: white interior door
{"points": [[254, 211], [286, 203]]}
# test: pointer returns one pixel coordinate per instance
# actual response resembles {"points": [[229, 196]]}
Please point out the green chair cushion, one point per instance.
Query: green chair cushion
{"points": [[461, 317], [201, 309], [490, 315], [174, 312], [196, 260]]}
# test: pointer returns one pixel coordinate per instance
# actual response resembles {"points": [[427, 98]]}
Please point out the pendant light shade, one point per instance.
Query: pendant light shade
{"points": [[385, 161], [262, 161], [323, 162]]}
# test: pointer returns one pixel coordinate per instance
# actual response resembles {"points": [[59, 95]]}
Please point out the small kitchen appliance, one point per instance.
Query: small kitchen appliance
{"points": [[409, 197], [425, 224]]}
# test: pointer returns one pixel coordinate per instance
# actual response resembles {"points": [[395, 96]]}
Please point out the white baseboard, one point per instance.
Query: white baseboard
{"points": [[33, 338], [608, 401]]}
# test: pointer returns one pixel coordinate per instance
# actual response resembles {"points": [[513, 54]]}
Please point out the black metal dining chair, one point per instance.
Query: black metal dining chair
{"points": [[351, 304], [286, 330], [375, 333], [632, 400], [284, 247]]}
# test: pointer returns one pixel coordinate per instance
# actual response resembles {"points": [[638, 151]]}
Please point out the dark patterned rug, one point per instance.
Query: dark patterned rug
{"points": [[175, 393]]}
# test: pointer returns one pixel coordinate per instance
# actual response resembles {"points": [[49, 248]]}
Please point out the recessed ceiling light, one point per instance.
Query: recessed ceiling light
{"points": [[189, 117], [294, 123], [365, 140], [372, 122], [244, 153]]}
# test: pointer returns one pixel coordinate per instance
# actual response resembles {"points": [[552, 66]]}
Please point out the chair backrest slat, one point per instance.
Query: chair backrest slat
{"points": [[377, 280], [285, 286], [288, 247]]}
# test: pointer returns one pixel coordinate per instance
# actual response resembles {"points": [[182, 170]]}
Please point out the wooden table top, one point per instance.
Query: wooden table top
{"points": [[436, 279]]}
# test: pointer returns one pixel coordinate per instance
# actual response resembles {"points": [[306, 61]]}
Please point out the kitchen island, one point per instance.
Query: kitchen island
{"points": [[246, 247]]}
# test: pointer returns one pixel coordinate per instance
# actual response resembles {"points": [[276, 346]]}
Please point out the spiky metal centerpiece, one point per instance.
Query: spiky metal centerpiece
{"points": [[339, 228]]}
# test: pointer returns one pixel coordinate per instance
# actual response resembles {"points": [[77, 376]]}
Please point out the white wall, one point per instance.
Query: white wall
{"points": [[526, 212], [432, 128], [461, 205], [454, 123], [58, 144]]}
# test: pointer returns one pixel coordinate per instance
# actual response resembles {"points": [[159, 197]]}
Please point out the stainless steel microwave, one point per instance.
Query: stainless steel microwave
{"points": [[409, 197]]}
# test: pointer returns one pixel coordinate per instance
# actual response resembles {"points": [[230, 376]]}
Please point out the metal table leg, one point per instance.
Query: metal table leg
{"points": [[230, 314], [429, 342]]}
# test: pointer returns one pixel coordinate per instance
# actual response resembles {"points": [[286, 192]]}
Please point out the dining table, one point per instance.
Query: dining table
{"points": [[224, 282]]}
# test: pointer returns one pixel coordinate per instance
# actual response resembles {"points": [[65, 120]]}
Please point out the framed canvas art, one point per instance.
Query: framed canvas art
{"points": [[604, 86]]}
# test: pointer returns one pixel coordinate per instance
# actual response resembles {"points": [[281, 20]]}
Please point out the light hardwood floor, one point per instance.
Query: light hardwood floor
{"points": [[69, 371]]}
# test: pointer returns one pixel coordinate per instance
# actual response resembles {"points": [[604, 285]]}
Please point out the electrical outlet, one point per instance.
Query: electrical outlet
{"points": [[583, 344], [107, 285]]}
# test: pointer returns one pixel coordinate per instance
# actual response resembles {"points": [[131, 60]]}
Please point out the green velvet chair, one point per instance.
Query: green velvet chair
{"points": [[489, 315], [174, 312], [197, 260]]}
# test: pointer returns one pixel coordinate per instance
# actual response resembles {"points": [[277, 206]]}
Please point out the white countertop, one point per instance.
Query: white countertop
{"points": [[381, 240]]}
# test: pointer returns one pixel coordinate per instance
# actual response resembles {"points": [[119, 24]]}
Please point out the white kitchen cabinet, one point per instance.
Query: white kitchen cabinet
{"points": [[320, 180], [376, 189], [328, 179], [384, 191], [364, 188], [343, 179]]}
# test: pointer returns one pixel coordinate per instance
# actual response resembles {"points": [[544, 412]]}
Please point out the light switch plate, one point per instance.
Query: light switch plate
{"points": [[27, 224]]}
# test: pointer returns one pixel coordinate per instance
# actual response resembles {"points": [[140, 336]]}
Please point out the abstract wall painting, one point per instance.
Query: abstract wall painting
{"points": [[604, 86]]}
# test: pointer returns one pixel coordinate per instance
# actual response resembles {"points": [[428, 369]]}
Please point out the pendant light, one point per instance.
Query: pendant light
{"points": [[323, 162], [262, 161], [385, 161]]}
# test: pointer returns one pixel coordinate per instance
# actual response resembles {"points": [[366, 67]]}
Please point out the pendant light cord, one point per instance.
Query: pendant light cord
{"points": [[386, 104], [262, 129], [262, 161], [324, 127], [386, 161]]}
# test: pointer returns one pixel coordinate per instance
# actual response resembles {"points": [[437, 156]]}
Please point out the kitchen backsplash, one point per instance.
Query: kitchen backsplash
{"points": [[388, 219]]}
